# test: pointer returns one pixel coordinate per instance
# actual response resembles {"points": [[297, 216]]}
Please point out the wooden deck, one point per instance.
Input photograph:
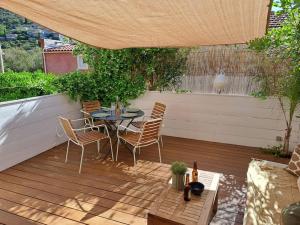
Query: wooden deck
{"points": [[45, 190]]}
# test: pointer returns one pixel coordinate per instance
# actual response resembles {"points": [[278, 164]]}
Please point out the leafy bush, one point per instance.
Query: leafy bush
{"points": [[25, 84], [104, 87], [162, 68], [123, 73], [2, 30], [110, 76], [19, 60], [277, 151]]}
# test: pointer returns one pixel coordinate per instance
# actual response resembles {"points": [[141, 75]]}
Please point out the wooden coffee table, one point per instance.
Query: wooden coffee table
{"points": [[170, 208]]}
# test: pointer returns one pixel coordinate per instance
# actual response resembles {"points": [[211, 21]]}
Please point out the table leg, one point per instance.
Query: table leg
{"points": [[215, 207], [129, 123]]}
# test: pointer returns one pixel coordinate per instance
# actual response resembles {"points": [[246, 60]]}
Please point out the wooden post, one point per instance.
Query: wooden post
{"points": [[1, 60]]}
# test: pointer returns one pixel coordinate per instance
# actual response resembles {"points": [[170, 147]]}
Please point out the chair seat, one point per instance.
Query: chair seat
{"points": [[138, 124], [131, 137], [91, 136]]}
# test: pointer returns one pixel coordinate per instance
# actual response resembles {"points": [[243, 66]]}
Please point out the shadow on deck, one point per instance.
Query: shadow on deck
{"points": [[45, 190]]}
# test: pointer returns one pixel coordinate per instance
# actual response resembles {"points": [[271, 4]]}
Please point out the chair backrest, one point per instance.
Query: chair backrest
{"points": [[158, 110], [91, 106], [150, 131], [68, 129]]}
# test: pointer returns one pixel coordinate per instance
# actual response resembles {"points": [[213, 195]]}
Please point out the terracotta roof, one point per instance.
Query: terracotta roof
{"points": [[276, 20], [62, 48]]}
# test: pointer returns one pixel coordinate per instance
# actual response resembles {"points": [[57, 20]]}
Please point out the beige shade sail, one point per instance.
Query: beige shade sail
{"points": [[118, 24]]}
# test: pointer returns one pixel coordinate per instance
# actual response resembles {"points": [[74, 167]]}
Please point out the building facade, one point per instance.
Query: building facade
{"points": [[58, 58]]}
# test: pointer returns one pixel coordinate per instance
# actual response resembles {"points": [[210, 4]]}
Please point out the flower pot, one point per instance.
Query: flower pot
{"points": [[178, 182]]}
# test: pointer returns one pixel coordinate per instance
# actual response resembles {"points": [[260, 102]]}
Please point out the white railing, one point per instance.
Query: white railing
{"points": [[29, 126]]}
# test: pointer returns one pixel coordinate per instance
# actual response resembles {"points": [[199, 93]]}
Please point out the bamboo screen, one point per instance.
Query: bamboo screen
{"points": [[240, 65], [233, 60]]}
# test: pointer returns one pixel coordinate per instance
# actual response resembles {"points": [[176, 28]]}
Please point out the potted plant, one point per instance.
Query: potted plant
{"points": [[178, 171]]}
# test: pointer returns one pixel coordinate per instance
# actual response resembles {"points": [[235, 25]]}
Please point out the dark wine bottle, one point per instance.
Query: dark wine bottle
{"points": [[187, 188]]}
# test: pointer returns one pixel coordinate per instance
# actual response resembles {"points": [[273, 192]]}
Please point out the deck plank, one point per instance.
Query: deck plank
{"points": [[12, 219], [71, 203], [78, 196], [111, 195], [34, 214], [61, 211], [45, 190]]}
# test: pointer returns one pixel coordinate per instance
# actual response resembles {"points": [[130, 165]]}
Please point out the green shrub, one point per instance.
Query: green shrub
{"points": [[19, 59], [25, 84], [161, 68], [277, 151], [103, 87], [123, 73]]}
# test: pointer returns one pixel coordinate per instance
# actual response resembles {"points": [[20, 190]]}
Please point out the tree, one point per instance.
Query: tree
{"points": [[19, 60], [2, 30], [109, 77], [281, 46], [162, 68], [123, 73]]}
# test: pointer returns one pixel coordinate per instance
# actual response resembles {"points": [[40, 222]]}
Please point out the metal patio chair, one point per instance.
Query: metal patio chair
{"points": [[87, 108], [148, 135], [158, 111], [84, 138]]}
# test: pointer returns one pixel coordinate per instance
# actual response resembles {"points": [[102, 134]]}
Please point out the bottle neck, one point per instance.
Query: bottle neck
{"points": [[195, 165], [187, 179]]}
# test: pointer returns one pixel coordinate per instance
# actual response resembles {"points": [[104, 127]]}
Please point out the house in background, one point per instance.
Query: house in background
{"points": [[58, 57]]}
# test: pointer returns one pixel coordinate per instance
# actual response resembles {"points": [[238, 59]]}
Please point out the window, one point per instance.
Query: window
{"points": [[81, 65]]}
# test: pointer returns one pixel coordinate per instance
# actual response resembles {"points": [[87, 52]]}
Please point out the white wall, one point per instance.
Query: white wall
{"points": [[29, 127], [241, 120]]}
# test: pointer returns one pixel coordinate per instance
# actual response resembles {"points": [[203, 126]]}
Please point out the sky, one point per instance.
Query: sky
{"points": [[275, 9]]}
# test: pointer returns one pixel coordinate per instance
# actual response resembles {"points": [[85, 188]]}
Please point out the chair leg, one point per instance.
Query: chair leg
{"points": [[111, 149], [81, 158], [98, 146], [139, 150], [66, 160], [159, 151], [117, 149], [161, 141], [133, 152]]}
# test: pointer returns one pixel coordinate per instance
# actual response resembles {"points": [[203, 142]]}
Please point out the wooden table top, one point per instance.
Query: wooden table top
{"points": [[172, 208]]}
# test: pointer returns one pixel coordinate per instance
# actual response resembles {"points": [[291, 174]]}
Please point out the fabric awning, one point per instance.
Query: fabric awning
{"points": [[118, 24]]}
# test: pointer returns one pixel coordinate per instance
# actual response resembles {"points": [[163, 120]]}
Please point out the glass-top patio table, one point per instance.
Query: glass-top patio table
{"points": [[113, 120], [113, 117]]}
